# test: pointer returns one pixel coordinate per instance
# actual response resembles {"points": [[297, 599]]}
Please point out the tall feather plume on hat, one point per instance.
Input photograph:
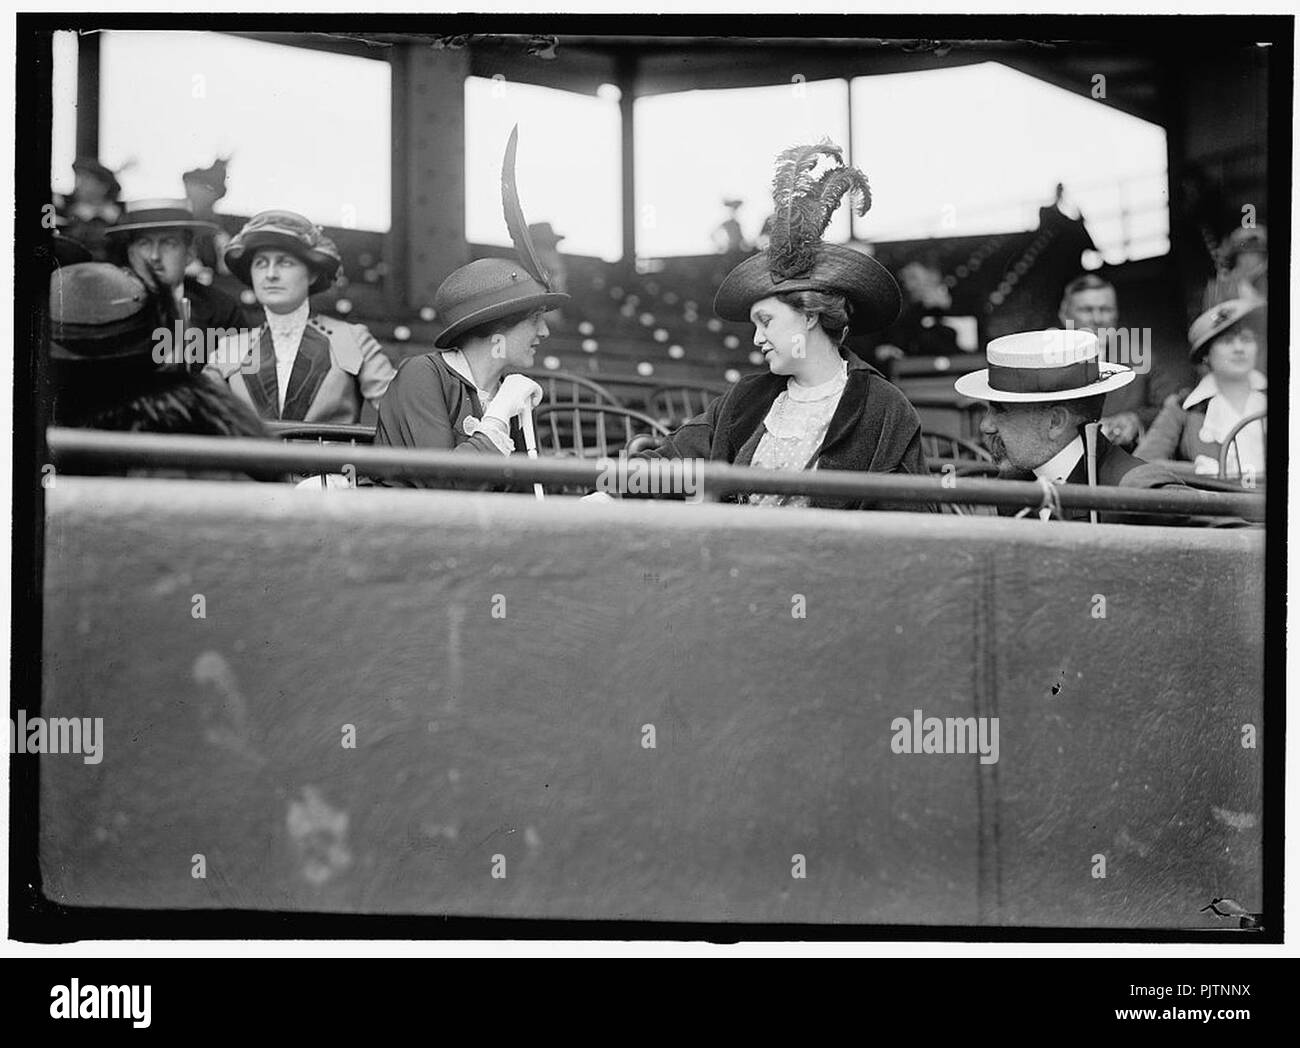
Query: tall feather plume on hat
{"points": [[515, 221], [805, 202]]}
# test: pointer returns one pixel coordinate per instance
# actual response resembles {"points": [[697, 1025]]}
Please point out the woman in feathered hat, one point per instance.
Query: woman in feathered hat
{"points": [[468, 395], [299, 365], [816, 407]]}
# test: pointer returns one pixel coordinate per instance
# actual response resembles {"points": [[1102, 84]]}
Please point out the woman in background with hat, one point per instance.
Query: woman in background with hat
{"points": [[815, 407], [92, 208], [467, 395], [1193, 425], [204, 186], [299, 365]]}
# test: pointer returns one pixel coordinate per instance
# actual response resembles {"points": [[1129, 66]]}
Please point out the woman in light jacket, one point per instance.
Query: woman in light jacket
{"points": [[298, 365], [1193, 425]]}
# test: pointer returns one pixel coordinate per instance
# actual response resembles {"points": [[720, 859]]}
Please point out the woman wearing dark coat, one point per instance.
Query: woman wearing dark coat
{"points": [[816, 407], [106, 368], [469, 396]]}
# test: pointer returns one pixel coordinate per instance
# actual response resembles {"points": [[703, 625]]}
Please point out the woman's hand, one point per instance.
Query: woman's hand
{"points": [[515, 393]]}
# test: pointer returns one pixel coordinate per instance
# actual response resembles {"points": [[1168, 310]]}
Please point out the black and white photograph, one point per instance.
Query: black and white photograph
{"points": [[610, 477]]}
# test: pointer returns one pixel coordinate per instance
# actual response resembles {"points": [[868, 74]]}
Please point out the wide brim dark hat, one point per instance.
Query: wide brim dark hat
{"points": [[487, 290], [1215, 321], [285, 231], [542, 233], [869, 287], [105, 174], [62, 251], [158, 214], [100, 313]]}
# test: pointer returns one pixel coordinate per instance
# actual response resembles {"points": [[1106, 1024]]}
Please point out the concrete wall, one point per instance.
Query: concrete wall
{"points": [[522, 736]]}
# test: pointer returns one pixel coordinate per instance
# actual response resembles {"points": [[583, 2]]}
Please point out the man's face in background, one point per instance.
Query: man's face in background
{"points": [[1090, 309], [160, 256]]}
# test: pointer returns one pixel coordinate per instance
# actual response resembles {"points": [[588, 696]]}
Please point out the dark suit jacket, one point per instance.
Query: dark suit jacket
{"points": [[425, 407], [1117, 468], [874, 429], [211, 307]]}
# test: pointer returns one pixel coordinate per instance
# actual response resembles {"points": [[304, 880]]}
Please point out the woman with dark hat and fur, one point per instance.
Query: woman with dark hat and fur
{"points": [[1192, 425], [299, 365], [468, 395], [103, 362], [815, 407]]}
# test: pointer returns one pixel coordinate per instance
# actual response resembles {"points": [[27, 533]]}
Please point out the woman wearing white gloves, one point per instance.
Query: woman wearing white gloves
{"points": [[467, 396]]}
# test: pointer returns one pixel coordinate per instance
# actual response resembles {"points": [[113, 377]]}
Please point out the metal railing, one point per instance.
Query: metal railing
{"points": [[70, 448]]}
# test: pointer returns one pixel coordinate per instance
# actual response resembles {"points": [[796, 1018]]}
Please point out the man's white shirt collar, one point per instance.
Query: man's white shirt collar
{"points": [[1057, 468]]}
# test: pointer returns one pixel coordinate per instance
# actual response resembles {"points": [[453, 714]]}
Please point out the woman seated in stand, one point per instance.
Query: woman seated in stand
{"points": [[299, 365], [468, 395], [1193, 425], [816, 406], [107, 333]]}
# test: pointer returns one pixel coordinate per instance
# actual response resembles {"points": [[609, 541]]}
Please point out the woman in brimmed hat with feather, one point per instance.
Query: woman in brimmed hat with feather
{"points": [[299, 365], [1193, 425], [816, 407], [467, 396]]}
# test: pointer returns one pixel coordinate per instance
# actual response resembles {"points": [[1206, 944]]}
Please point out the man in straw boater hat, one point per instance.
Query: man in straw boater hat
{"points": [[467, 395], [1045, 391], [157, 238], [815, 406]]}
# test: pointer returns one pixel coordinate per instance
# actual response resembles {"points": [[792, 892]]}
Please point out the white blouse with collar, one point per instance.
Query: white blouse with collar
{"points": [[794, 429], [286, 335], [1221, 416]]}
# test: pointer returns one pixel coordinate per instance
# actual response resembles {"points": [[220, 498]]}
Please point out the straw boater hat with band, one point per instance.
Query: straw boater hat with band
{"points": [[1041, 366], [139, 215], [797, 259], [491, 288], [286, 231]]}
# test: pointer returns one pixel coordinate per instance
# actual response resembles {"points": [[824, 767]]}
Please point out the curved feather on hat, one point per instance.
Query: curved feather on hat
{"points": [[515, 221], [806, 201]]}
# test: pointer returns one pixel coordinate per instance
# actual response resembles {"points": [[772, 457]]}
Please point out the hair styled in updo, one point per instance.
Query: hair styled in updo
{"points": [[832, 312]]}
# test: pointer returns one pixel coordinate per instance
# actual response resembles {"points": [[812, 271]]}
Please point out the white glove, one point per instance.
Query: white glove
{"points": [[514, 394]]}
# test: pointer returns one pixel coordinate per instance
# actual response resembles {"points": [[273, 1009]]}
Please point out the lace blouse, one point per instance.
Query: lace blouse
{"points": [[794, 429]]}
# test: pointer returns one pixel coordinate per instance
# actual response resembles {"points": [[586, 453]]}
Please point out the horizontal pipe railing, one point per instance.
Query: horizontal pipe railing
{"points": [[77, 447]]}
